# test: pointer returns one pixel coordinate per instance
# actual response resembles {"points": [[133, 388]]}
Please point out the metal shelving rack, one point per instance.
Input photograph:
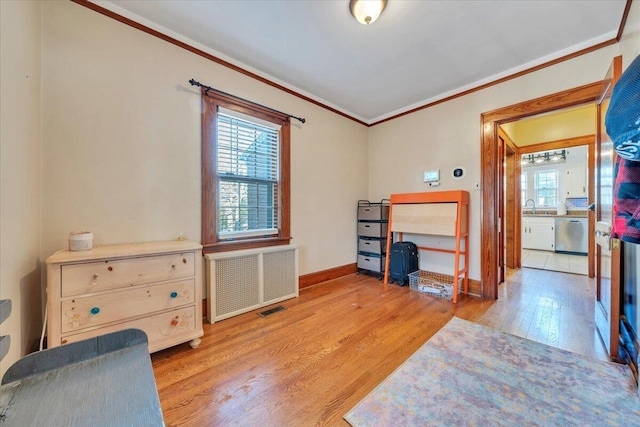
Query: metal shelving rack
{"points": [[372, 228]]}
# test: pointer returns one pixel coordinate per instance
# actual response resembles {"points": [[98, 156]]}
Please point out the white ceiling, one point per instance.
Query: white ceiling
{"points": [[417, 52]]}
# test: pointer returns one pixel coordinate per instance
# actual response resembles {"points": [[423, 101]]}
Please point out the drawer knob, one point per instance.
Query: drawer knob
{"points": [[174, 321], [95, 310], [110, 268], [94, 279], [174, 294], [173, 267]]}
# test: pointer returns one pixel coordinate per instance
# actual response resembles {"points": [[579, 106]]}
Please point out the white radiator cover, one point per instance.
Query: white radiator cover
{"points": [[241, 281]]}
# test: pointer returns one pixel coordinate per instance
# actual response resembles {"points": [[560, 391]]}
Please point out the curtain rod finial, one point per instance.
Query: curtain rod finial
{"points": [[208, 88]]}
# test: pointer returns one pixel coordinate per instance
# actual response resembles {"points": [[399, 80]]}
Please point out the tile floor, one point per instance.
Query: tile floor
{"points": [[545, 260]]}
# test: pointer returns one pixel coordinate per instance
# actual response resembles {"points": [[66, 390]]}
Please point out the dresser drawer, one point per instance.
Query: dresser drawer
{"points": [[112, 274], [372, 246], [160, 328], [95, 310], [371, 262], [373, 212], [372, 229]]}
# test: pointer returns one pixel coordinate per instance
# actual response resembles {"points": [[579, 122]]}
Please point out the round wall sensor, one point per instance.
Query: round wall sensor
{"points": [[458, 172]]}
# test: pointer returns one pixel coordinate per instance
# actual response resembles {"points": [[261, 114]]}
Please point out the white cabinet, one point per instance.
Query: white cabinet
{"points": [[155, 287], [538, 233], [576, 181]]}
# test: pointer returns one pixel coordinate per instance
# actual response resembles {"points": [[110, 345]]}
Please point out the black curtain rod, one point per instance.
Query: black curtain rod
{"points": [[208, 88]]}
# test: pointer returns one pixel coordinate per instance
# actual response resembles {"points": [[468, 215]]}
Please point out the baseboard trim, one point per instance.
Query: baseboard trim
{"points": [[311, 279], [475, 288]]}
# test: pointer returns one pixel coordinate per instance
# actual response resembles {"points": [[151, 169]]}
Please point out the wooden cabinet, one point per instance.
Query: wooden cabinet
{"points": [[538, 233], [576, 179], [155, 287]]}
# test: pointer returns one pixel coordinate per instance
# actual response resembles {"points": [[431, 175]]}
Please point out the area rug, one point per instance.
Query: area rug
{"points": [[470, 375]]}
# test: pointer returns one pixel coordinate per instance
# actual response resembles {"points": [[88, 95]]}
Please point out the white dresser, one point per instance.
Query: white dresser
{"points": [[155, 287]]}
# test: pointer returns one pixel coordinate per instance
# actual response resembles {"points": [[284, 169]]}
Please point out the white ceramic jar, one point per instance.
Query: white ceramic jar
{"points": [[80, 240]]}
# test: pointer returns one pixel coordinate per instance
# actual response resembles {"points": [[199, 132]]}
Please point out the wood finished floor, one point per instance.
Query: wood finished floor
{"points": [[310, 364]]}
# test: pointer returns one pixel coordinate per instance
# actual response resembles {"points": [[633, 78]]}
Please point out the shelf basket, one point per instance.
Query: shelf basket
{"points": [[436, 284]]}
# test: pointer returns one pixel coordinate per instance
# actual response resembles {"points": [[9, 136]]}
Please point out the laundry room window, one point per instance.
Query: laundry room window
{"points": [[245, 168], [546, 187]]}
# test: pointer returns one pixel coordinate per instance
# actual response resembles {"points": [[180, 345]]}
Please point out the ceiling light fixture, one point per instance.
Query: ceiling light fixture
{"points": [[556, 156], [367, 11]]}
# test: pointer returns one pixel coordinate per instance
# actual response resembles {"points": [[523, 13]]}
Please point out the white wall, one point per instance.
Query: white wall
{"points": [[20, 175], [100, 131], [448, 135], [630, 41], [121, 135]]}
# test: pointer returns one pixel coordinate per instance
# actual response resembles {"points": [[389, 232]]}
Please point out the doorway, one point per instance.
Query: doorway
{"points": [[547, 170], [491, 157]]}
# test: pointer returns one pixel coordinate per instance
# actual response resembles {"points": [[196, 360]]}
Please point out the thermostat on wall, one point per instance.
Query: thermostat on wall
{"points": [[458, 172], [432, 176]]}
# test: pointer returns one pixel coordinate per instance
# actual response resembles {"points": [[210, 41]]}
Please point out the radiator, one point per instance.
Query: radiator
{"points": [[241, 281]]}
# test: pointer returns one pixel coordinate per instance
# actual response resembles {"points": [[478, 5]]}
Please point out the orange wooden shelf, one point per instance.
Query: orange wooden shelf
{"points": [[433, 213]]}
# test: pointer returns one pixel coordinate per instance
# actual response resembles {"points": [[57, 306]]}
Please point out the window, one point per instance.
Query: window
{"points": [[245, 175], [247, 171], [546, 187], [523, 188]]}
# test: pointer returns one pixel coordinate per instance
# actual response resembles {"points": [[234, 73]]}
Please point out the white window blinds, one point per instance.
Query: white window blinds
{"points": [[248, 175]]}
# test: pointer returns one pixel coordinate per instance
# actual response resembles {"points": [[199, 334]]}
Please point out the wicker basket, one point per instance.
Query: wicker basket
{"points": [[436, 284]]}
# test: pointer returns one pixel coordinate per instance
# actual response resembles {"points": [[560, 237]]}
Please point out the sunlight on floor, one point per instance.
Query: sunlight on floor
{"points": [[545, 260]]}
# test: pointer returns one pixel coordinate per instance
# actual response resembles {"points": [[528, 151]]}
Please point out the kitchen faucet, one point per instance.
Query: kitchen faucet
{"points": [[534, 205]]}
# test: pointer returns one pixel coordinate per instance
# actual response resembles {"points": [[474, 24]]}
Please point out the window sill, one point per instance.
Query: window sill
{"points": [[245, 244]]}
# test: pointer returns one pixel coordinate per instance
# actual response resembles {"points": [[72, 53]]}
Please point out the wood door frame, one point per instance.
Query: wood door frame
{"points": [[512, 204], [502, 232], [489, 123]]}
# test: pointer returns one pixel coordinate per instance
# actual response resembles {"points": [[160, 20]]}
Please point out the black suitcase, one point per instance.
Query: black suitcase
{"points": [[403, 259]]}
